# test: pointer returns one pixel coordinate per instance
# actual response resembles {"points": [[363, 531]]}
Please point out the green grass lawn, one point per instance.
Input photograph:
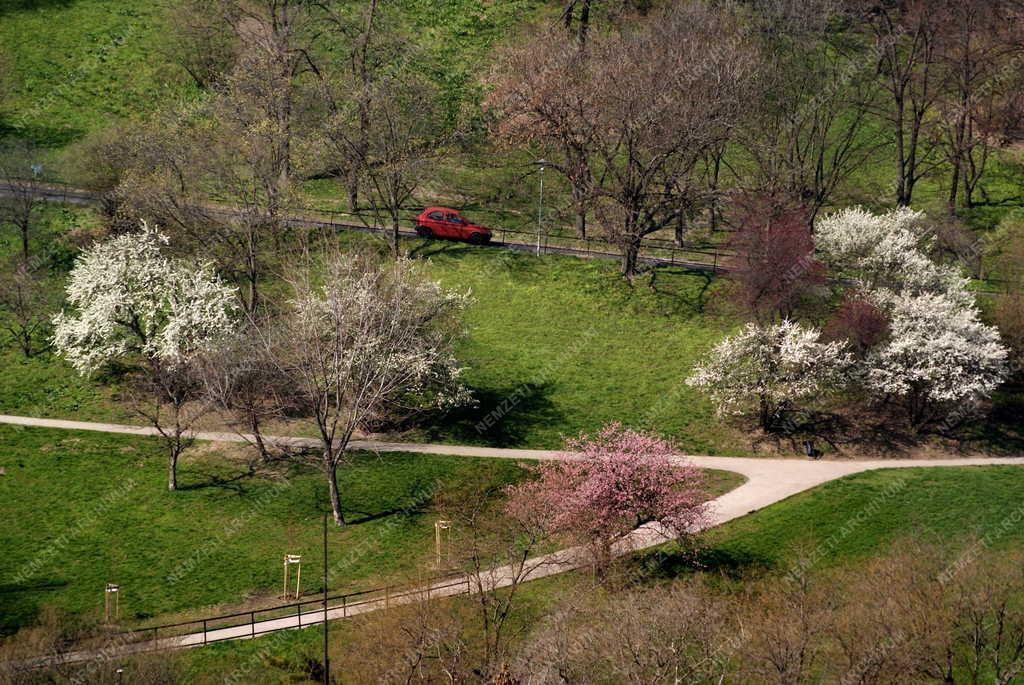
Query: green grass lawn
{"points": [[944, 505], [77, 66], [554, 346], [565, 346], [863, 515], [82, 509]]}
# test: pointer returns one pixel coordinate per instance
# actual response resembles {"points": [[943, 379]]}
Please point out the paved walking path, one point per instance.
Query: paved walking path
{"points": [[769, 480]]}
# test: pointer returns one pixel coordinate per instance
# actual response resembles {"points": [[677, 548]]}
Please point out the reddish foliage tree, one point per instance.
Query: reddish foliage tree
{"points": [[775, 267], [608, 484], [859, 322]]}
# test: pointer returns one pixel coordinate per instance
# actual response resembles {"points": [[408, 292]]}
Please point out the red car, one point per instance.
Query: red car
{"points": [[442, 222]]}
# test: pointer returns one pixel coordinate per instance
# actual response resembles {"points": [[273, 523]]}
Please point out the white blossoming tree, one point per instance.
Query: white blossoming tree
{"points": [[939, 358], [770, 368], [134, 304], [359, 338], [885, 251]]}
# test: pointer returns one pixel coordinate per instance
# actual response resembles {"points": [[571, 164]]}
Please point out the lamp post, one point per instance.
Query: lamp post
{"points": [[540, 202], [327, 667]]}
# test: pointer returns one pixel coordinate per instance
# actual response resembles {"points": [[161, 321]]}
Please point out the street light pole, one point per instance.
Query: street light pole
{"points": [[540, 203], [327, 668]]}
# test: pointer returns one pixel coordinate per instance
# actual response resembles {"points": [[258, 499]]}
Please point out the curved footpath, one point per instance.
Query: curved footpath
{"points": [[769, 480]]}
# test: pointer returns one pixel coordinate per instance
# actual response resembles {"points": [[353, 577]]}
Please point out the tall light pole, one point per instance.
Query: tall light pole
{"points": [[540, 202], [327, 665]]}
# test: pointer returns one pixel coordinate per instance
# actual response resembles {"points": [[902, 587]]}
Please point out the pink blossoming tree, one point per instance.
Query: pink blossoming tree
{"points": [[607, 485]]}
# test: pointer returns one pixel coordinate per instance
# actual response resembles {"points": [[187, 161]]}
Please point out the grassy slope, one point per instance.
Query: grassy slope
{"points": [[80, 485], [943, 504], [569, 347], [562, 342], [863, 515], [78, 65], [84, 509], [102, 59]]}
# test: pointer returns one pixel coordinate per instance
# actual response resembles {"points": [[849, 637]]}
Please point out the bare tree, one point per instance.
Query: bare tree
{"points": [[498, 554], [656, 635], [786, 650], [169, 396], [20, 194], [358, 338], [806, 133], [392, 152], [544, 94], [904, 34], [975, 47], [261, 94], [375, 53], [628, 120], [197, 41], [219, 172], [650, 132], [242, 382], [28, 300]]}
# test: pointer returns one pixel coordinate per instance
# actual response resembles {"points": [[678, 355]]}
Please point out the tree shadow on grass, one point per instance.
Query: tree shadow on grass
{"points": [[678, 296], [209, 479], [500, 417], [1002, 430], [517, 262], [437, 246], [835, 433], [666, 564], [367, 517], [43, 136], [21, 604], [11, 6]]}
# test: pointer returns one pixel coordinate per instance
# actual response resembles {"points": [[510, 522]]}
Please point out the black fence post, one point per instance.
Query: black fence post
{"points": [[252, 624], [298, 611], [204, 631]]}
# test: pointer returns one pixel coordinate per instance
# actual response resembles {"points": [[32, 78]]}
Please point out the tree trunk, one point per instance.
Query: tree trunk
{"points": [[584, 23], [24, 241], [394, 235], [251, 271], [764, 415], [716, 170], [332, 483], [680, 229], [957, 159], [25, 342], [353, 188], [630, 257], [579, 194], [172, 470], [901, 160], [954, 186]]}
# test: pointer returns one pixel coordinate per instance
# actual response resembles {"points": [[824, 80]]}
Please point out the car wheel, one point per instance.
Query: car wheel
{"points": [[475, 239], [424, 232]]}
